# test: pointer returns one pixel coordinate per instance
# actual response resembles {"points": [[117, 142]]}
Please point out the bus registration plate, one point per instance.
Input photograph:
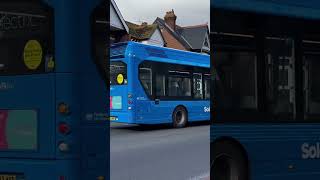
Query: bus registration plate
{"points": [[112, 118], [8, 177]]}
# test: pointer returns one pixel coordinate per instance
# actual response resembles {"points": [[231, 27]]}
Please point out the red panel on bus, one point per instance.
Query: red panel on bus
{"points": [[3, 122]]}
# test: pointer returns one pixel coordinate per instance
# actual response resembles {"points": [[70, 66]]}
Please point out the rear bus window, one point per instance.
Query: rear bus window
{"points": [[26, 41], [118, 73]]}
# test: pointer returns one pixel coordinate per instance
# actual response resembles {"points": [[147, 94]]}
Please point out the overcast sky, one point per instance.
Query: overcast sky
{"points": [[189, 12]]}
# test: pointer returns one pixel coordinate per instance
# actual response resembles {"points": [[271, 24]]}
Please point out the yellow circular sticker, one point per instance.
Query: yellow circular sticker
{"points": [[32, 54], [120, 78]]}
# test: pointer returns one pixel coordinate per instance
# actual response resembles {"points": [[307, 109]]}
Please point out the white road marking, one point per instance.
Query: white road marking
{"points": [[204, 176]]}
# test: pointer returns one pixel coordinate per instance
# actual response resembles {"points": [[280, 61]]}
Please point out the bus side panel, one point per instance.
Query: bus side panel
{"points": [[151, 113], [95, 156], [94, 126], [198, 110], [277, 151]]}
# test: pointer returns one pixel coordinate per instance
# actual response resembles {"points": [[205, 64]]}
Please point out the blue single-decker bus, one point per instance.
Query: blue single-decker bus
{"points": [[156, 85]]}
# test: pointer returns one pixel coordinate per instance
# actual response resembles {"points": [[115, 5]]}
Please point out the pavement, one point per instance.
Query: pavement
{"points": [[159, 152]]}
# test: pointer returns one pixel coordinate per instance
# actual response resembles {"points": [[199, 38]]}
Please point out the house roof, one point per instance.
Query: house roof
{"points": [[114, 5], [141, 32], [195, 35], [175, 34], [191, 37]]}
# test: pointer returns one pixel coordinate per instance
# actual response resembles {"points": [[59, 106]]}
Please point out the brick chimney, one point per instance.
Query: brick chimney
{"points": [[170, 19]]}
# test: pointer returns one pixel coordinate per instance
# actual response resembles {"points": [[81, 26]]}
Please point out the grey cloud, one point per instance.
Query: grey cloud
{"points": [[189, 12]]}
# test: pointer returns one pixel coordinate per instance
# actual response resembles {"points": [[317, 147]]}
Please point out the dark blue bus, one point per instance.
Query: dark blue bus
{"points": [[266, 90], [156, 85], [53, 90]]}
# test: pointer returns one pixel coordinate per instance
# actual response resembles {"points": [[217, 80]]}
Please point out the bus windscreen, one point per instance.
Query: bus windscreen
{"points": [[18, 130]]}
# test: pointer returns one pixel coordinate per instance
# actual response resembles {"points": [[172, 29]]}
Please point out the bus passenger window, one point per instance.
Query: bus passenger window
{"points": [[160, 85], [207, 87], [197, 86], [312, 85], [236, 81], [179, 86], [145, 75]]}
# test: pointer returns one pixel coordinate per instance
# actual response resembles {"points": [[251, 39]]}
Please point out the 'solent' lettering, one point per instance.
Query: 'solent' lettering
{"points": [[310, 151]]}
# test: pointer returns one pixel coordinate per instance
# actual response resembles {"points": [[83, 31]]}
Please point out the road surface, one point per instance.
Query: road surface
{"points": [[159, 153]]}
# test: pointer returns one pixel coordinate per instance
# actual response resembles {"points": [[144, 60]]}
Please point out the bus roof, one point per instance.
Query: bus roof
{"points": [[159, 54], [309, 9]]}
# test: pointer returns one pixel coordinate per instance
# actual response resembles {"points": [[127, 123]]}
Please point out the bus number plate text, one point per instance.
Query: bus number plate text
{"points": [[8, 177], [112, 118]]}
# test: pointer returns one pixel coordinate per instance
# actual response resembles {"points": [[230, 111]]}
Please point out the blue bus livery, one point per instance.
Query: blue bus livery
{"points": [[156, 85], [266, 108], [51, 125]]}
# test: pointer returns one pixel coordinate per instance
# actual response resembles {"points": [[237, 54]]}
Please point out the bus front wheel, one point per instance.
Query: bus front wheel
{"points": [[179, 117], [228, 162]]}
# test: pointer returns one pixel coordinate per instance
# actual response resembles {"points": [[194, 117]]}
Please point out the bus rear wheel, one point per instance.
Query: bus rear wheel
{"points": [[228, 163], [180, 117]]}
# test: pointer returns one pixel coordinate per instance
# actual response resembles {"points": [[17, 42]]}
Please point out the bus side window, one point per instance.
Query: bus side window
{"points": [[145, 75], [207, 87], [179, 84], [312, 86], [237, 79], [197, 86], [160, 85]]}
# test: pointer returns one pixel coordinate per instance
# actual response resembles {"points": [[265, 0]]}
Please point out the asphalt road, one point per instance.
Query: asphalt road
{"points": [[159, 153]]}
